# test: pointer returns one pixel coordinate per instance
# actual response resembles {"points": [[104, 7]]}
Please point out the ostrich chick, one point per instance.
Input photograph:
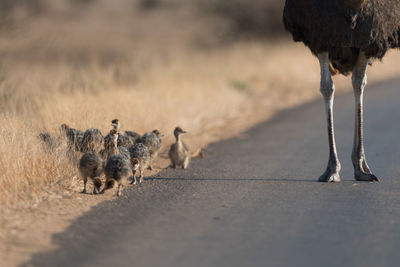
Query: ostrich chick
{"points": [[74, 137], [179, 153], [117, 171], [140, 160], [110, 145], [153, 141], [91, 166]]}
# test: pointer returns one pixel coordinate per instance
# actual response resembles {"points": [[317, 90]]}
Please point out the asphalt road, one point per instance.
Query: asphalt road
{"points": [[254, 200]]}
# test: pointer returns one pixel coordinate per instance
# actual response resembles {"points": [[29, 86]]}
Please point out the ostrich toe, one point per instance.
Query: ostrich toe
{"points": [[331, 175]]}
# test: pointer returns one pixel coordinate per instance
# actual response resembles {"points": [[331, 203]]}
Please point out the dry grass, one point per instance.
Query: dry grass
{"points": [[27, 168]]}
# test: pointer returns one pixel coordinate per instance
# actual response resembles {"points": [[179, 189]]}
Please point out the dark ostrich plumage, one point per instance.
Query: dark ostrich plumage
{"points": [[49, 141], [135, 137], [343, 28], [141, 152], [125, 141], [74, 137], [91, 165], [153, 141], [92, 140], [124, 151], [140, 160], [117, 168]]}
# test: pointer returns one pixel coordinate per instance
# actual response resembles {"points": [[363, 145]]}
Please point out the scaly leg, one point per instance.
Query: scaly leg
{"points": [[141, 175], [186, 162], [134, 179], [84, 185], [327, 89], [359, 79], [119, 193], [96, 185]]}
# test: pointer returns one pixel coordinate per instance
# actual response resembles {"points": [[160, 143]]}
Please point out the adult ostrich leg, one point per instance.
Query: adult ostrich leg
{"points": [[359, 80], [327, 90]]}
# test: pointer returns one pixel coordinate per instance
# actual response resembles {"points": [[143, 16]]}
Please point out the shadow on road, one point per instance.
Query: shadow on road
{"points": [[233, 179]]}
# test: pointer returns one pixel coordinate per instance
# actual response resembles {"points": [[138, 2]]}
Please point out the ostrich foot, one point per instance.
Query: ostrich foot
{"points": [[363, 173], [365, 177], [84, 191], [331, 175]]}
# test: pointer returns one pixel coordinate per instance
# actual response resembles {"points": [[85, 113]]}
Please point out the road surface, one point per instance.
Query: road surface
{"points": [[254, 200]]}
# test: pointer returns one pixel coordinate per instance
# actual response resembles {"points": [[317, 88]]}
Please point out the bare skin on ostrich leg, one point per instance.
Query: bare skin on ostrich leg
{"points": [[359, 79], [327, 90]]}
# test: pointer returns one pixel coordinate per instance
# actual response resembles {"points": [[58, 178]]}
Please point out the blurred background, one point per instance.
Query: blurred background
{"points": [[120, 38], [65, 46]]}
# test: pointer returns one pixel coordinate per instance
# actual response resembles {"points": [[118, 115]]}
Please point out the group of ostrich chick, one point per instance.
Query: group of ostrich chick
{"points": [[120, 154], [345, 35]]}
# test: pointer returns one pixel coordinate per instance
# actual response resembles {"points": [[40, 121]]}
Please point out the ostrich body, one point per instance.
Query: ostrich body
{"points": [[74, 137], [124, 151], [153, 141], [179, 153], [118, 167], [140, 160], [134, 136], [91, 166], [345, 35], [125, 141], [92, 140]]}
